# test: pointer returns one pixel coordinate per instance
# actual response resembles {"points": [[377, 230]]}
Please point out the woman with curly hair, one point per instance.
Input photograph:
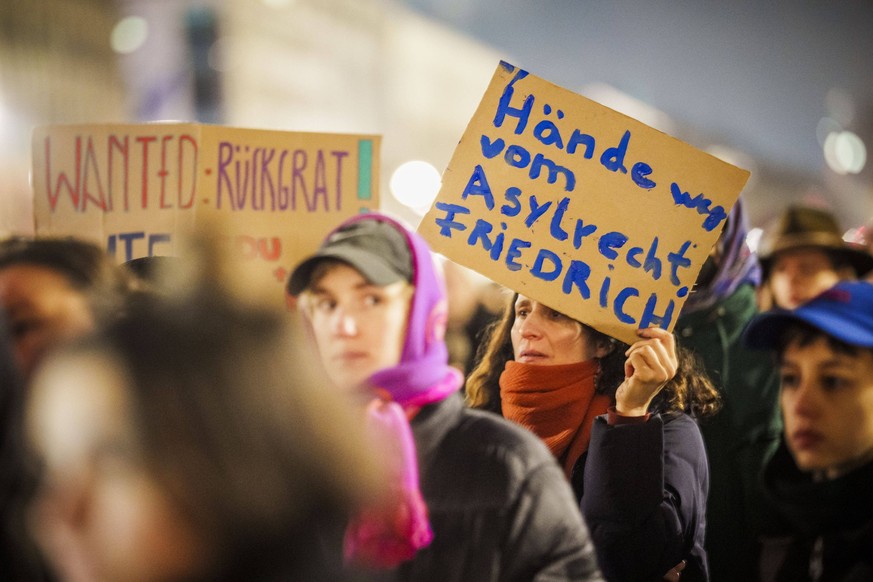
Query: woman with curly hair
{"points": [[621, 421]]}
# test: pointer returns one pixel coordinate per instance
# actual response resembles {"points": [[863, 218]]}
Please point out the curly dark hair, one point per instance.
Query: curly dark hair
{"points": [[690, 391]]}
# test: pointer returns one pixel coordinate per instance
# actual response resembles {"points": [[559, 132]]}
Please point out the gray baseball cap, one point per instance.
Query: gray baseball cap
{"points": [[372, 246]]}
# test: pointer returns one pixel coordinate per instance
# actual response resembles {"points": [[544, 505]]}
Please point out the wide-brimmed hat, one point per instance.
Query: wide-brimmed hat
{"points": [[804, 227], [374, 247], [845, 312]]}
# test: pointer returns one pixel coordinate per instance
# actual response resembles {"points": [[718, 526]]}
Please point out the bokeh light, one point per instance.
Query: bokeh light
{"points": [[845, 152], [753, 238], [129, 34], [221, 55], [415, 184]]}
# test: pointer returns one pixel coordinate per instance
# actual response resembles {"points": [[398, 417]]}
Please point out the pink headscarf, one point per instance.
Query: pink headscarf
{"points": [[386, 536]]}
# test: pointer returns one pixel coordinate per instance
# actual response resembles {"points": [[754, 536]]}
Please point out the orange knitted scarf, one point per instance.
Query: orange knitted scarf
{"points": [[557, 403]]}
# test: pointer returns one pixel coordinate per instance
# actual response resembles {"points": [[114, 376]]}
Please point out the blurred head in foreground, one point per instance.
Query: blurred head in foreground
{"points": [[53, 289], [189, 441]]}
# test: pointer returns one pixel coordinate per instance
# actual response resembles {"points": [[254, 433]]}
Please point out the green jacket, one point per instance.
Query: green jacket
{"points": [[740, 438]]}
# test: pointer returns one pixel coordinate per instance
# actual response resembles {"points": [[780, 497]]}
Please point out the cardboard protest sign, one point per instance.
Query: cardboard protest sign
{"points": [[138, 188], [580, 207]]}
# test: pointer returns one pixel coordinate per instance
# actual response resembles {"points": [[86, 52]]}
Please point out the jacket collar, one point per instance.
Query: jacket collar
{"points": [[731, 314], [817, 507], [432, 423]]}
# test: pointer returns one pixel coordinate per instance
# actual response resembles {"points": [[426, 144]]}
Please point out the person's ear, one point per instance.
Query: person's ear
{"points": [[603, 348]]}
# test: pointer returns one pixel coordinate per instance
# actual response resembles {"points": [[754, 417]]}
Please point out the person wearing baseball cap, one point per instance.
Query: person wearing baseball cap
{"points": [[475, 497], [803, 253], [821, 476]]}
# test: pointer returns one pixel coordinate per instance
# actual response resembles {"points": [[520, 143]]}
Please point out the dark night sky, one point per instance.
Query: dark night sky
{"points": [[756, 74]]}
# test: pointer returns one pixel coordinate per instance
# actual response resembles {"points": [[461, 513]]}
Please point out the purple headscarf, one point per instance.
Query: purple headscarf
{"points": [[385, 536], [423, 374], [738, 265]]}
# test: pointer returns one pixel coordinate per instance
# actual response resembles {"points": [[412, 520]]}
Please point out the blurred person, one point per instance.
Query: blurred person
{"points": [[472, 308], [481, 499], [53, 289], [620, 421], [745, 432], [19, 558], [462, 296], [803, 253], [821, 476], [149, 274], [190, 441]]}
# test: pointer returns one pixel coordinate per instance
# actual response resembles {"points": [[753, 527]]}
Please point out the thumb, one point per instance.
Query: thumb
{"points": [[628, 369]]}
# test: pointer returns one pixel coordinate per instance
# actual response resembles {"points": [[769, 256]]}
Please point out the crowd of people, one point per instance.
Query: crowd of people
{"points": [[156, 424]]}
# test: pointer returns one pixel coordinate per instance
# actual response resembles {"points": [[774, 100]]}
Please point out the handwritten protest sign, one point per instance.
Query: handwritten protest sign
{"points": [[139, 188], [580, 207]]}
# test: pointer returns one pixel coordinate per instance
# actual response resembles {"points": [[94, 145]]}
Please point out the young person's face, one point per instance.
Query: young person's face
{"points": [[41, 308], [797, 276], [540, 335], [827, 403], [99, 514], [359, 327]]}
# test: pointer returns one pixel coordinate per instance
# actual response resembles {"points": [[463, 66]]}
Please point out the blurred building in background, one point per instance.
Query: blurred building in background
{"points": [[405, 70], [56, 65], [309, 65]]}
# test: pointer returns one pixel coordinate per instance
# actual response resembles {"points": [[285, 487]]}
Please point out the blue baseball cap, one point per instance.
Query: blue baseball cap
{"points": [[845, 312]]}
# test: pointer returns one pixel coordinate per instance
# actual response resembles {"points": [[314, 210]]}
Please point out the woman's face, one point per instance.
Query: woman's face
{"points": [[41, 308], [543, 336], [827, 403], [98, 514], [359, 328], [797, 276]]}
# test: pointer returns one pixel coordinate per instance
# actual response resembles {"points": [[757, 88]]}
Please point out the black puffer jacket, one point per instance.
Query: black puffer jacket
{"points": [[644, 496], [499, 505]]}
